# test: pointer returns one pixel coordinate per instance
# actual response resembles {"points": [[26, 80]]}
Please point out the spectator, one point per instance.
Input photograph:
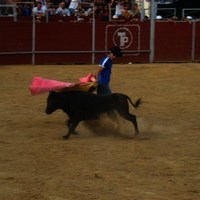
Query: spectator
{"points": [[119, 6], [79, 12], [73, 6], [99, 5], [39, 11], [49, 8], [126, 12], [88, 10], [26, 9], [105, 14], [62, 10], [135, 11]]}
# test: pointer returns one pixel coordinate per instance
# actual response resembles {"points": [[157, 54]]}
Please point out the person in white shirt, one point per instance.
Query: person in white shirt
{"points": [[119, 8], [73, 6], [39, 11], [49, 8], [62, 10]]}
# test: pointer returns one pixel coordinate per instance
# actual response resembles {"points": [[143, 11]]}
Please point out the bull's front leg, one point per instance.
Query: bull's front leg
{"points": [[68, 123], [71, 128]]}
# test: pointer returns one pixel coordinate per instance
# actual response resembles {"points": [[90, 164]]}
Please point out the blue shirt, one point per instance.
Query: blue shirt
{"points": [[104, 77]]}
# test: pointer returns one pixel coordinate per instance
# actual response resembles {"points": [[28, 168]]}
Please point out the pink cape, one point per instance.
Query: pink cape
{"points": [[89, 78], [41, 85]]}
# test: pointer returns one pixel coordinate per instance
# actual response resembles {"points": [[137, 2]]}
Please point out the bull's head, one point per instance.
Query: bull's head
{"points": [[53, 103]]}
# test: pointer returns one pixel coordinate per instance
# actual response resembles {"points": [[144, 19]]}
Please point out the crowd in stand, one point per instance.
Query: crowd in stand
{"points": [[103, 9], [63, 10]]}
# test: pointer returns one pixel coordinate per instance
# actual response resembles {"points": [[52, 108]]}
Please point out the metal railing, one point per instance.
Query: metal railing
{"points": [[191, 12], [13, 8], [168, 12]]}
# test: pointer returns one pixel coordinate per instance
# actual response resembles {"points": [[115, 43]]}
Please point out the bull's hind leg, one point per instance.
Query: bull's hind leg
{"points": [[71, 125], [132, 118]]}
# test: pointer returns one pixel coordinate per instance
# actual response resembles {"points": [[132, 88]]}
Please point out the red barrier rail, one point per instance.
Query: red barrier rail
{"points": [[69, 42]]}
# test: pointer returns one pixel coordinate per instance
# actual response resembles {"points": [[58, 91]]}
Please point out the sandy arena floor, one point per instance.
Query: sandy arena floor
{"points": [[102, 163]]}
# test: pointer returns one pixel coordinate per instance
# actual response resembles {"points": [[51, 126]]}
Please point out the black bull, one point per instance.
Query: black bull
{"points": [[82, 106]]}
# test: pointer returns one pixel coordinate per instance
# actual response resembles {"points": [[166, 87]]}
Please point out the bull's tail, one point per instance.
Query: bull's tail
{"points": [[137, 103]]}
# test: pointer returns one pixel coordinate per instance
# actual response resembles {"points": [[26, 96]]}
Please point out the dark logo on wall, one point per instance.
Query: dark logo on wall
{"points": [[123, 37], [127, 37]]}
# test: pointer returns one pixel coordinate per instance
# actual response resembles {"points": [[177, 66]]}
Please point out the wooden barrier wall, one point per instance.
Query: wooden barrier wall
{"points": [[57, 43], [174, 41], [197, 42]]}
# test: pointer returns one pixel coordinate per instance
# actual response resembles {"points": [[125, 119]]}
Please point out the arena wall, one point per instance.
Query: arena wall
{"points": [[71, 42]]}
